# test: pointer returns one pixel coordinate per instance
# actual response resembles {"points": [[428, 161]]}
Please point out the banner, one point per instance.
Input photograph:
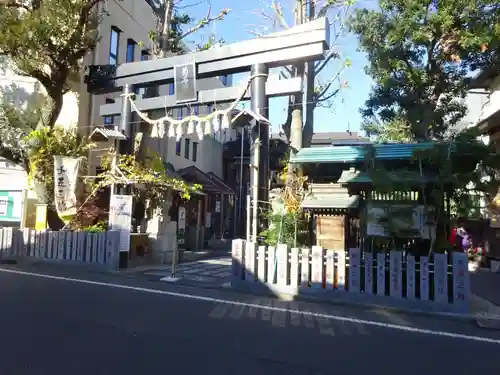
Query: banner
{"points": [[120, 218], [65, 183]]}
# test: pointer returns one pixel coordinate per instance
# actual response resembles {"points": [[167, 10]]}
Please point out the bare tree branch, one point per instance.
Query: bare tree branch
{"points": [[278, 9], [205, 21]]}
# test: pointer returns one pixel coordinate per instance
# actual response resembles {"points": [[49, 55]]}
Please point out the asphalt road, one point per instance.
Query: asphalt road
{"points": [[60, 327]]}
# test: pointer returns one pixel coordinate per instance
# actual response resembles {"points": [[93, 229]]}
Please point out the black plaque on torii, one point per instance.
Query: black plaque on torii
{"points": [[185, 83]]}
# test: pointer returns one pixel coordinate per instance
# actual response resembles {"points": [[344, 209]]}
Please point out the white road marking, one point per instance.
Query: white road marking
{"points": [[294, 317], [324, 326], [237, 312], [266, 313], [219, 311], [253, 311], [262, 307], [309, 318], [279, 318]]}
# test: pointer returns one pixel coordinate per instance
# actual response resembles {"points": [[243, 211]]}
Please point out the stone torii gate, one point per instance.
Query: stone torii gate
{"points": [[307, 42]]}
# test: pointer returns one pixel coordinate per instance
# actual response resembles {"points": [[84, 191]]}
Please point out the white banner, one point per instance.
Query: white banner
{"points": [[120, 218], [65, 183]]}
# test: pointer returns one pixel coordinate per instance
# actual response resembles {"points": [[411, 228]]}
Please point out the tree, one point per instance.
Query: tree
{"points": [[420, 54], [47, 40], [298, 127], [174, 25]]}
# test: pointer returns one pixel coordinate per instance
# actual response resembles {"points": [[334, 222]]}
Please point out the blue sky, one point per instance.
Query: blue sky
{"points": [[344, 114]]}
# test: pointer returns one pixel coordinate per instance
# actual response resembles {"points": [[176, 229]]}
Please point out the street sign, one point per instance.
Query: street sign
{"points": [[185, 83]]}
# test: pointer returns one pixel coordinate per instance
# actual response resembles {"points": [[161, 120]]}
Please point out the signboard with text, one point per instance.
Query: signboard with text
{"points": [[120, 218]]}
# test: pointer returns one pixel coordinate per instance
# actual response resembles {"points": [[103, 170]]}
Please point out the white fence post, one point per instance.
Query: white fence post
{"points": [[461, 280], [61, 245], [95, 247], [317, 267], [330, 270], [261, 264], [368, 273], [271, 264], [250, 261], [294, 267], [410, 277], [80, 252], [283, 254], [424, 278], [237, 249], [89, 241], [48, 251], [440, 278], [380, 274], [354, 270], [396, 274], [29, 238], [340, 283], [101, 249], [304, 277], [72, 243], [112, 248]]}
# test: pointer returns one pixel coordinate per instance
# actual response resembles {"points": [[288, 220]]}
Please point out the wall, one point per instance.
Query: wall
{"points": [[492, 104], [22, 91], [135, 19]]}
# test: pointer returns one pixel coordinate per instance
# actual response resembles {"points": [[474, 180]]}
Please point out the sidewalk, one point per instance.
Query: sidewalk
{"points": [[209, 269]]}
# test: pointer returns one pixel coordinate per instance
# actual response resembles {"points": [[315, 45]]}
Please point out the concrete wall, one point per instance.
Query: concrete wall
{"points": [[492, 102]]}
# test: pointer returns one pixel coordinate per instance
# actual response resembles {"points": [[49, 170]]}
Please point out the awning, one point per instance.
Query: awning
{"points": [[210, 183], [353, 154]]}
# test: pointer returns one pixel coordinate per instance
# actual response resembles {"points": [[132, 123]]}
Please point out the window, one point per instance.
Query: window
{"points": [[130, 50], [224, 80], [171, 89], [195, 150], [144, 55], [209, 108], [178, 148], [109, 120], [186, 148], [114, 46]]}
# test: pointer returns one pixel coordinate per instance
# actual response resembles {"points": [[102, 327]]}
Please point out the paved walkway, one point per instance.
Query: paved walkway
{"points": [[206, 272]]}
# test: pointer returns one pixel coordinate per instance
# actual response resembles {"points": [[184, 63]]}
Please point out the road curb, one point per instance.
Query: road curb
{"points": [[486, 320]]}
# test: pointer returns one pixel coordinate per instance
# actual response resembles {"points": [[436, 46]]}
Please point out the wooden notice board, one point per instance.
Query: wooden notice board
{"points": [[330, 232]]}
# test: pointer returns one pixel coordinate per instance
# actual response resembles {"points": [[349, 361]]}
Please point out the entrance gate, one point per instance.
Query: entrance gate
{"points": [[191, 75]]}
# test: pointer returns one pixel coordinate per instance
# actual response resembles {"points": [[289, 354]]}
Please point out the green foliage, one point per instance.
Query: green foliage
{"points": [[47, 40], [148, 175], [101, 226], [43, 144], [289, 228], [420, 53]]}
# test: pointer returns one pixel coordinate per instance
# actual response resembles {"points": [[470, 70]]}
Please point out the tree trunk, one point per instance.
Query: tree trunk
{"points": [[51, 111], [163, 26]]}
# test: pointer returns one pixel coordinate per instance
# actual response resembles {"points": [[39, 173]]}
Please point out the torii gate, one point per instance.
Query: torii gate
{"points": [[307, 42]]}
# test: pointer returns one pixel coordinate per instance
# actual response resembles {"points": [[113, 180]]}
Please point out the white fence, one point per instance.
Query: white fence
{"points": [[95, 249], [337, 272]]}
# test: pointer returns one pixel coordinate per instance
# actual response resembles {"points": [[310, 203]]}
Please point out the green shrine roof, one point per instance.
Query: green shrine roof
{"points": [[349, 154]]}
